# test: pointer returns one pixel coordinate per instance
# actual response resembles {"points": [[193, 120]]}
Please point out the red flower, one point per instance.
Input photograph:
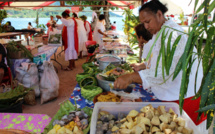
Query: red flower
{"points": [[167, 15], [172, 16]]}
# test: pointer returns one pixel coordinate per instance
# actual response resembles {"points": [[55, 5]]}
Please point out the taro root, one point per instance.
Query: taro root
{"points": [[111, 123], [105, 127], [99, 132], [84, 122], [55, 122], [121, 116]]}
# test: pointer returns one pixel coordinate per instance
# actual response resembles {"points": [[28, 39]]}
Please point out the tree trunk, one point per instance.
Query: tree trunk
{"points": [[106, 14]]}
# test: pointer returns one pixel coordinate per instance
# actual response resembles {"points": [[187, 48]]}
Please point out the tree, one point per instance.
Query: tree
{"points": [[96, 9]]}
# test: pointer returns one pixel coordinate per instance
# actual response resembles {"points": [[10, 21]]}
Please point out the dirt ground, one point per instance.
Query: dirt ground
{"points": [[67, 84]]}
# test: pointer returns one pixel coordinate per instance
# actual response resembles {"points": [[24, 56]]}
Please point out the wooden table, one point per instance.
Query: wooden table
{"points": [[10, 34], [6, 41]]}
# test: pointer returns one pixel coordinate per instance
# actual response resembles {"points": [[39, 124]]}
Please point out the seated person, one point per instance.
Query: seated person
{"points": [[3, 66], [9, 28]]}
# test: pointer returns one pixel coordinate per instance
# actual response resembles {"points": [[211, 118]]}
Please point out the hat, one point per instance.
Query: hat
{"points": [[48, 24], [67, 11]]}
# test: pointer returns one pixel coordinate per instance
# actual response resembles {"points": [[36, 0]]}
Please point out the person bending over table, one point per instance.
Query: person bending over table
{"points": [[69, 38], [151, 15], [99, 31]]}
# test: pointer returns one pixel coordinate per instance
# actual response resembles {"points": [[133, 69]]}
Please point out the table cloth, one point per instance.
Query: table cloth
{"points": [[33, 123], [148, 96]]}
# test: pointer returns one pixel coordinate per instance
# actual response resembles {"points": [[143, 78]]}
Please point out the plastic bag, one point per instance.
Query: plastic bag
{"points": [[55, 38], [28, 76], [49, 83]]}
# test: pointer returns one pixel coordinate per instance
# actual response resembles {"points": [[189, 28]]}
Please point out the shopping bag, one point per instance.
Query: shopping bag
{"points": [[27, 75], [49, 83], [55, 38]]}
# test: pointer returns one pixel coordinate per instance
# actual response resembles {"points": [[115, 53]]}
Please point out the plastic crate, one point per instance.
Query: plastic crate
{"points": [[125, 107]]}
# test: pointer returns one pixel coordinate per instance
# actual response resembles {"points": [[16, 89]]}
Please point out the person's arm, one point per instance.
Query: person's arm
{"points": [[66, 22], [102, 32], [138, 66], [123, 81]]}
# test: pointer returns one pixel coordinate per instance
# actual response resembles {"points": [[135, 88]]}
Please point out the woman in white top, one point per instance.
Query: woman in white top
{"points": [[82, 35], [69, 38], [99, 31], [151, 15]]}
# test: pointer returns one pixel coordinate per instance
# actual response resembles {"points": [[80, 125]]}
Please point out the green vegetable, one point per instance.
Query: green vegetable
{"points": [[65, 108], [88, 64], [10, 98], [15, 47], [88, 81], [89, 92], [81, 76]]}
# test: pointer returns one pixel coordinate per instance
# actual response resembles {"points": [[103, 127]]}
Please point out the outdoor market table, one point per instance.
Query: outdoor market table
{"points": [[33, 123], [10, 34], [148, 96]]}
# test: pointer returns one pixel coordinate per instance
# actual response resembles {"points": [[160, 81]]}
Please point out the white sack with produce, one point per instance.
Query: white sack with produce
{"points": [[27, 75], [49, 83]]}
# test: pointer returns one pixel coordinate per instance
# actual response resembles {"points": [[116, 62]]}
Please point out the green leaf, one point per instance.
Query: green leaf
{"points": [[207, 108], [206, 6], [178, 68], [173, 52], [196, 2], [209, 118]]}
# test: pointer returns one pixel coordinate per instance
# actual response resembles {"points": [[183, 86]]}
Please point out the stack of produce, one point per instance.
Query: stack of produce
{"points": [[88, 82], [109, 97], [149, 120], [112, 72], [70, 120], [13, 97]]}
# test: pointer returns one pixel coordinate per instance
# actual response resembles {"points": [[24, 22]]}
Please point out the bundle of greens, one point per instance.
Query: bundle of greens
{"points": [[89, 92], [13, 97], [16, 47], [88, 81]]}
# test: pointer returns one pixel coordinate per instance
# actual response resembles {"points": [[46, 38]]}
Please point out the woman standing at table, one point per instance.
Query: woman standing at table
{"points": [[151, 15], [99, 31], [82, 34], [69, 38]]}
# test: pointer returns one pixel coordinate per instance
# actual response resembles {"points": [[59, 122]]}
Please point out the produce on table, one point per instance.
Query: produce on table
{"points": [[149, 120], [109, 97], [70, 120], [81, 76], [13, 96], [88, 81], [16, 47], [112, 72], [89, 92]]}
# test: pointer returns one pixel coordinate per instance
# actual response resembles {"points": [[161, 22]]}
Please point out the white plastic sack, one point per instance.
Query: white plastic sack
{"points": [[27, 75], [55, 38], [49, 83]]}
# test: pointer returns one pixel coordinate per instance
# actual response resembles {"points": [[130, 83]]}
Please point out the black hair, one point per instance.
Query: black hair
{"points": [[101, 17], [141, 31], [114, 22], [29, 23], [154, 6], [75, 15], [9, 23], [64, 14]]}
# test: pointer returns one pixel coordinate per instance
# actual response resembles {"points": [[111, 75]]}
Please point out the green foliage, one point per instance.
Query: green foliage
{"points": [[205, 54], [3, 15], [130, 22]]}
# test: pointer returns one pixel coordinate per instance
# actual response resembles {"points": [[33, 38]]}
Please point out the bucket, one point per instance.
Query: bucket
{"points": [[17, 108]]}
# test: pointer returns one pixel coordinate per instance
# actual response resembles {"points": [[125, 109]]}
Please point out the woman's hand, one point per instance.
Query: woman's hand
{"points": [[58, 16], [123, 81], [138, 66]]}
